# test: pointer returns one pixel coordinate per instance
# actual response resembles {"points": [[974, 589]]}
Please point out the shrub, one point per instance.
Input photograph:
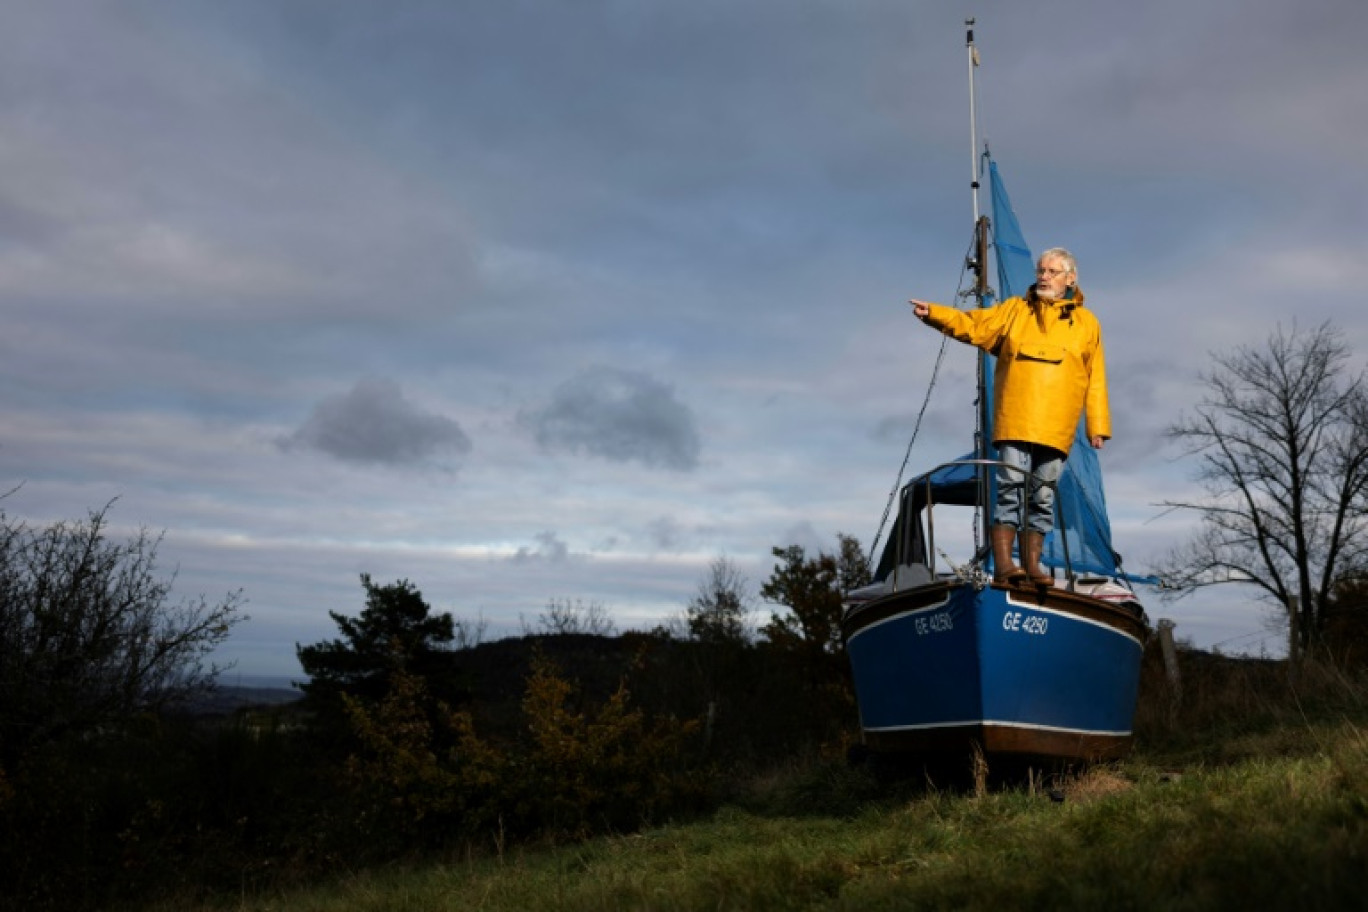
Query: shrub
{"points": [[424, 775], [89, 636]]}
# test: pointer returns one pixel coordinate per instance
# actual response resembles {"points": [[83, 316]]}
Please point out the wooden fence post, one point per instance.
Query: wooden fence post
{"points": [[1294, 649], [1170, 653]]}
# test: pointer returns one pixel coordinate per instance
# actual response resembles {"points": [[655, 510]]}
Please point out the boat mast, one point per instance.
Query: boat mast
{"points": [[973, 115], [978, 262]]}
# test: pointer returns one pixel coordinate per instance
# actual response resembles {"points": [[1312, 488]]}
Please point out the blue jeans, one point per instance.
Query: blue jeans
{"points": [[1039, 465]]}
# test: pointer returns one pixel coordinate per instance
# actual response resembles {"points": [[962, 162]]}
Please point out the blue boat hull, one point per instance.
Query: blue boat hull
{"points": [[1041, 672]]}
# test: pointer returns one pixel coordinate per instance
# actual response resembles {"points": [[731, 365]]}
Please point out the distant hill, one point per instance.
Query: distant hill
{"points": [[224, 701]]}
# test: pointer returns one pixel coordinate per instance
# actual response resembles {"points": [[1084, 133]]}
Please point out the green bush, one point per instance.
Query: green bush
{"points": [[163, 804], [424, 776]]}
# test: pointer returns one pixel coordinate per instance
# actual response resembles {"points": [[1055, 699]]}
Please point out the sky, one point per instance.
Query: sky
{"points": [[530, 302]]}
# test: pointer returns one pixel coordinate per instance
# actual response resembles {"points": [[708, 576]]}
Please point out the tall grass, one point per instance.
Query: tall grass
{"points": [[1224, 708], [1282, 833], [1247, 788]]}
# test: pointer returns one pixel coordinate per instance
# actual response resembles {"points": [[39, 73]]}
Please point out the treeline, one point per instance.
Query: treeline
{"points": [[411, 736]]}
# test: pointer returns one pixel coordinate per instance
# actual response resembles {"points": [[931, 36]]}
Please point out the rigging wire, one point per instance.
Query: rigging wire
{"points": [[916, 428], [1264, 635]]}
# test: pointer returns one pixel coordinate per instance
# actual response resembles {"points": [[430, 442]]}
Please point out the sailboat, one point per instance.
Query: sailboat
{"points": [[944, 660]]}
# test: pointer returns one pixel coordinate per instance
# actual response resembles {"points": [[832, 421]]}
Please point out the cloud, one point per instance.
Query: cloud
{"points": [[549, 548], [804, 534], [213, 213], [375, 424], [666, 533], [618, 415]]}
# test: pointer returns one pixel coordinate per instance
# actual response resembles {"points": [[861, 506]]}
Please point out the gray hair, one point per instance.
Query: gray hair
{"points": [[1059, 253]]}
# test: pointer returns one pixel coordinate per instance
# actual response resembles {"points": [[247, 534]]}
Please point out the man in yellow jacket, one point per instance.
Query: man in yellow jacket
{"points": [[1050, 370]]}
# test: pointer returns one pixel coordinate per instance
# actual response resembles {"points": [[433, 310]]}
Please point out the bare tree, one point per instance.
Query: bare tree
{"points": [[1282, 439], [88, 634], [468, 633], [720, 612], [564, 617]]}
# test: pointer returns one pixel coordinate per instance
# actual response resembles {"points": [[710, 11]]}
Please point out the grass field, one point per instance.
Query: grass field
{"points": [[1248, 790]]}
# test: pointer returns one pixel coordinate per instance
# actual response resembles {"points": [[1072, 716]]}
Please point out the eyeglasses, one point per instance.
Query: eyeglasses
{"points": [[1051, 272]]}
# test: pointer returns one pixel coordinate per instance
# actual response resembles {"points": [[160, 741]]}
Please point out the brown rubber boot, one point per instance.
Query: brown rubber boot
{"points": [[1032, 544], [1004, 571]]}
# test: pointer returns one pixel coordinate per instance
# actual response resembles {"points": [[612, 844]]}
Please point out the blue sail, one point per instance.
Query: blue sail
{"points": [[1081, 507]]}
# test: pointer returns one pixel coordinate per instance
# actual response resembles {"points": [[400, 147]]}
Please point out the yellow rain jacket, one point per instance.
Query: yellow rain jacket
{"points": [[1050, 366]]}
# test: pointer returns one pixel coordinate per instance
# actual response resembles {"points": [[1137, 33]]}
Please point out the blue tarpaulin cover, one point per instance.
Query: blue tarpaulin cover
{"points": [[1081, 508]]}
